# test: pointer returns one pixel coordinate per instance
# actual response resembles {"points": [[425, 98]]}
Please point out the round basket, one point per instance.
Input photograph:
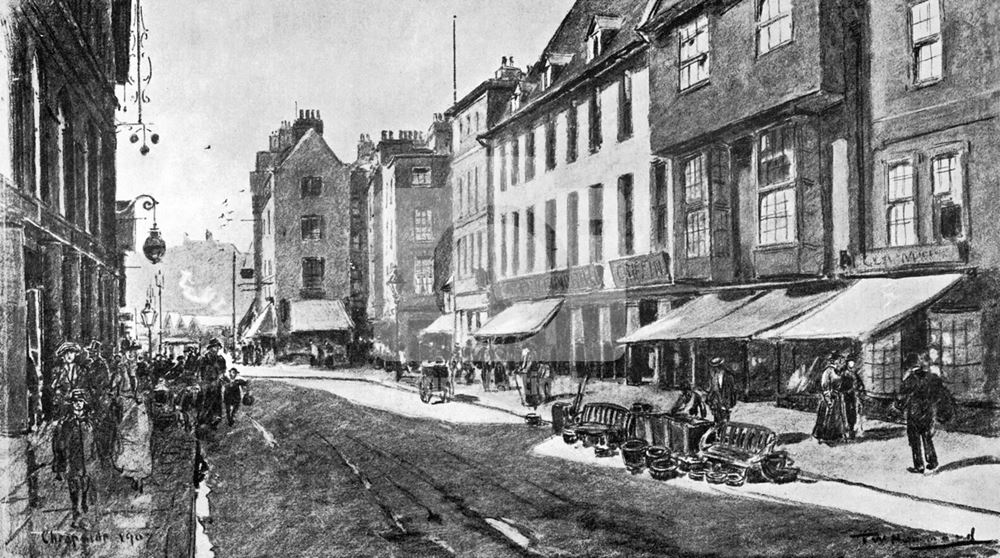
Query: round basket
{"points": [[696, 475], [655, 452], [569, 436], [533, 419], [736, 479], [604, 451], [634, 453], [716, 477], [663, 469]]}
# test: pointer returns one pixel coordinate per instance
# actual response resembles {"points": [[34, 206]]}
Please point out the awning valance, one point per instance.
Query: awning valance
{"points": [[318, 315], [443, 325], [695, 314], [866, 308], [522, 319], [765, 312], [264, 325]]}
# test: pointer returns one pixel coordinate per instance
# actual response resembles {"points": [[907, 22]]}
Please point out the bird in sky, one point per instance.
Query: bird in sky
{"points": [[222, 216], [243, 190], [208, 147], [225, 201], [231, 211]]}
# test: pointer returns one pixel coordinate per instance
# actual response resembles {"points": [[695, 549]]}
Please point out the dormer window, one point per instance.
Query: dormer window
{"points": [[554, 63], [547, 76], [515, 99], [602, 29]]}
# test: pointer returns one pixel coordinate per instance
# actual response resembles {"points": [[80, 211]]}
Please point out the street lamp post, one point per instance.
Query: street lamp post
{"points": [[159, 296], [395, 284], [154, 247], [148, 317]]}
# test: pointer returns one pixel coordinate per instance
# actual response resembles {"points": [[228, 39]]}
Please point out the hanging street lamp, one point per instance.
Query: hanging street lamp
{"points": [[154, 247]]}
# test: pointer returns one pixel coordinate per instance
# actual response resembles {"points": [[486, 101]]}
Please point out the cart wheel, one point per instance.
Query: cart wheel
{"points": [[425, 392]]}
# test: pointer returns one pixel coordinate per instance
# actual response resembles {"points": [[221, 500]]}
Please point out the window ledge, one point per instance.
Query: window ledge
{"points": [[774, 48], [926, 83], [695, 86], [776, 247]]}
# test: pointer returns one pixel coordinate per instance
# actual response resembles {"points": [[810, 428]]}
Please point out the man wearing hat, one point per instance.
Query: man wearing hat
{"points": [[722, 390], [211, 369], [72, 447], [67, 376]]}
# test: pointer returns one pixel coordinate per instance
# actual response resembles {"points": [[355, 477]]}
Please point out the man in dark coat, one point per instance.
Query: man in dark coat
{"points": [[924, 398], [212, 368], [67, 376], [722, 390], [72, 447]]}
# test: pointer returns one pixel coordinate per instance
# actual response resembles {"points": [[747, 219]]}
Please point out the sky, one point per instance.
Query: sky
{"points": [[226, 73]]}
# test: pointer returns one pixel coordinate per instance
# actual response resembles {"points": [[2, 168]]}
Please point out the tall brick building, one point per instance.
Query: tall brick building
{"points": [[61, 268], [302, 249]]}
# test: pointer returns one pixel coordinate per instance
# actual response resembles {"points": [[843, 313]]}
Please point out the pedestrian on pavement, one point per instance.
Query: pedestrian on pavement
{"points": [[831, 420], [133, 450], [73, 452], [852, 389], [211, 369], [67, 376], [924, 399], [722, 390]]}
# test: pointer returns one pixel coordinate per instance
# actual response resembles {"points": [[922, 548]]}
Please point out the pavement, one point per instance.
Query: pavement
{"points": [[120, 522], [872, 467]]}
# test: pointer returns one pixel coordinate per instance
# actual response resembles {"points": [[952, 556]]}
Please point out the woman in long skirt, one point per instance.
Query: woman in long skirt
{"points": [[831, 420], [133, 452]]}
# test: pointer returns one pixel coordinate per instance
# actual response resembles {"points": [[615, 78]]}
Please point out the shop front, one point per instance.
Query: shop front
{"points": [[323, 324]]}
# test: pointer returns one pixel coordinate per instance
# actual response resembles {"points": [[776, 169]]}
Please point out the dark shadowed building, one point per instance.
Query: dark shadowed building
{"points": [[302, 215]]}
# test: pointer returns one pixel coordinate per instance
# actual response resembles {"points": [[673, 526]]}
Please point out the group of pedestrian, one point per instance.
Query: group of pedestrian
{"points": [[103, 408], [252, 353], [840, 415], [100, 419]]}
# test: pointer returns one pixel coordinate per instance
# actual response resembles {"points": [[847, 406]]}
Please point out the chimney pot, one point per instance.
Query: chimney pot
{"points": [[302, 113], [317, 114]]}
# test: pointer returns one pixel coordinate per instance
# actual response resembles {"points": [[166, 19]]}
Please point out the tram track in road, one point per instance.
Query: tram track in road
{"points": [[424, 518]]}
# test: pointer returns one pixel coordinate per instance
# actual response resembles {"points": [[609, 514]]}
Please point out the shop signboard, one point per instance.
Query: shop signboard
{"points": [[585, 278], [888, 259], [647, 269]]}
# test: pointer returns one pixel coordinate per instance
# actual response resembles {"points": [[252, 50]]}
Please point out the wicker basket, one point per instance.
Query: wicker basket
{"points": [[663, 469], [569, 436]]}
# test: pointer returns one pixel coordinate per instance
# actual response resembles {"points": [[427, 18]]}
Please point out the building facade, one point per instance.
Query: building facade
{"points": [[472, 197], [930, 208], [571, 184], [62, 269], [302, 211], [412, 211]]}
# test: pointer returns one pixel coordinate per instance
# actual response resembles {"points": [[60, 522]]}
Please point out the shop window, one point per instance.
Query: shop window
{"points": [[882, 372], [694, 55], [946, 175], [774, 24], [777, 216], [958, 340], [925, 36], [901, 220]]}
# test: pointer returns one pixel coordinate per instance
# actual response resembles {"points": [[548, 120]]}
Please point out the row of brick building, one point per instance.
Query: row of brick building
{"points": [[764, 180]]}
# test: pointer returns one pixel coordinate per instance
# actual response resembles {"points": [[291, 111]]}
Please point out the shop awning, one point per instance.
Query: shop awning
{"points": [[443, 325], [522, 319], [773, 309], [318, 315], [698, 313], [264, 325], [866, 308]]}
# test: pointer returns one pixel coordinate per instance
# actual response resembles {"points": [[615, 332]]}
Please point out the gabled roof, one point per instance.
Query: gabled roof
{"points": [[571, 39], [603, 22], [660, 13], [310, 137]]}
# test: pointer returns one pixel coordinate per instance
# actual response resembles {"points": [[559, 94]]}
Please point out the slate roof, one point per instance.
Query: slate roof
{"points": [[571, 38]]}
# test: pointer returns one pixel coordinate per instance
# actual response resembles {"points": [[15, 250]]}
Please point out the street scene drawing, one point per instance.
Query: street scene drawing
{"points": [[602, 278]]}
